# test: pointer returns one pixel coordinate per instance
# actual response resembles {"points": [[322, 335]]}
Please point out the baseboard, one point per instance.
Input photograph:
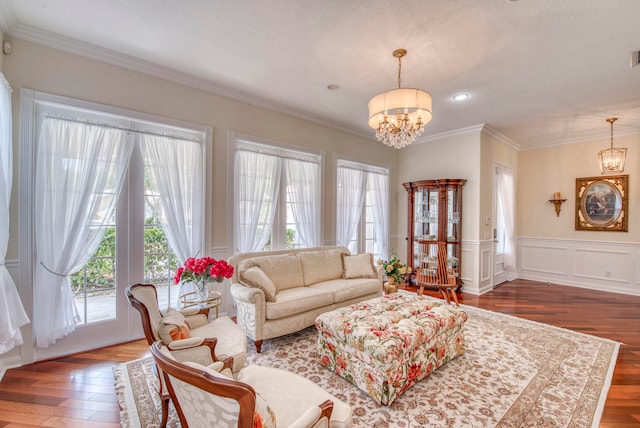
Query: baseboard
{"points": [[9, 363]]}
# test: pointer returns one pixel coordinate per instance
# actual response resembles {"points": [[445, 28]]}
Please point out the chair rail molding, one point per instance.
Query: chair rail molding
{"points": [[597, 265]]}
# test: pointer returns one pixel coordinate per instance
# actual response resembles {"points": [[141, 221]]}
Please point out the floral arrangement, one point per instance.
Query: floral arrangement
{"points": [[395, 269], [202, 270]]}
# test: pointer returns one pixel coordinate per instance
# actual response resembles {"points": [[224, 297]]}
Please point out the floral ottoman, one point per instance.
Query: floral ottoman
{"points": [[387, 344]]}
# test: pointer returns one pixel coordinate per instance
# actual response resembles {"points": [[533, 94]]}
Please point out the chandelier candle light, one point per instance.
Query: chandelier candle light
{"points": [[612, 159], [412, 109]]}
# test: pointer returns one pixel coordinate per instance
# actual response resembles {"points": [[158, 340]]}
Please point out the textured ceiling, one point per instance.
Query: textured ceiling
{"points": [[540, 72]]}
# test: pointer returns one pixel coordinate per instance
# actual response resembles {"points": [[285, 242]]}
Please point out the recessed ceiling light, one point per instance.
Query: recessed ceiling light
{"points": [[461, 97], [333, 87]]}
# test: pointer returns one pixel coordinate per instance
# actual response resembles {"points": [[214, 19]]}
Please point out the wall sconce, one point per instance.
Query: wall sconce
{"points": [[557, 202]]}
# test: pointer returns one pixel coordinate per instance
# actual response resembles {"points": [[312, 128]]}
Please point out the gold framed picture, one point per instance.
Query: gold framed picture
{"points": [[601, 203]]}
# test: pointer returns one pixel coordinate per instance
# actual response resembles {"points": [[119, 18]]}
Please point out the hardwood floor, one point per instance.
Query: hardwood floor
{"points": [[77, 391]]}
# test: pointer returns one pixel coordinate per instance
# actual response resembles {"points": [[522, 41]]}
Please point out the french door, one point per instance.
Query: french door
{"points": [[134, 247]]}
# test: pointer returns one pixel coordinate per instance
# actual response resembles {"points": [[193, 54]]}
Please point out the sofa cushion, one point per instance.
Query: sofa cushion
{"points": [[255, 277], [348, 289], [359, 266], [318, 266], [297, 300], [284, 270], [173, 326]]}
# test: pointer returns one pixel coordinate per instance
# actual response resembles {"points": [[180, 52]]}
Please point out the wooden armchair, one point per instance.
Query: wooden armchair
{"points": [[209, 396], [209, 341]]}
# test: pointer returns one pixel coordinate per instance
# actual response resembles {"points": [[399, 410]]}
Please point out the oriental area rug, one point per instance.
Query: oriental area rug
{"points": [[514, 373]]}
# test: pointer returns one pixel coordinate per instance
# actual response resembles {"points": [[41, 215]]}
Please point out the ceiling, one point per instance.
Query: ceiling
{"points": [[540, 72]]}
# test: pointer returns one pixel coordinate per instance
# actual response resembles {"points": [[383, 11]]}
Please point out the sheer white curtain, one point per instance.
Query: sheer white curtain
{"points": [[257, 184], [505, 190], [80, 170], [12, 314], [177, 172], [349, 203], [379, 187], [303, 189]]}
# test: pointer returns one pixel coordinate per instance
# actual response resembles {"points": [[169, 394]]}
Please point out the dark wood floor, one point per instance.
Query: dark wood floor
{"points": [[77, 391]]}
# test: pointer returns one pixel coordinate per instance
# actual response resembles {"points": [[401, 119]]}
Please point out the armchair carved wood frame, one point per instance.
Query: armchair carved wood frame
{"points": [[195, 349]]}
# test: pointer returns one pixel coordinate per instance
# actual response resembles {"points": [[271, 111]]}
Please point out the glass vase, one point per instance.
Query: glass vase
{"points": [[202, 290]]}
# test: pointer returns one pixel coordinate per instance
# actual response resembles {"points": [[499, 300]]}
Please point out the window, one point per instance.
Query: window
{"points": [[362, 199], [276, 196]]}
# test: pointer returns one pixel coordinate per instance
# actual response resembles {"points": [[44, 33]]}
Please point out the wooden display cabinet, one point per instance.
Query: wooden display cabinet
{"points": [[434, 232]]}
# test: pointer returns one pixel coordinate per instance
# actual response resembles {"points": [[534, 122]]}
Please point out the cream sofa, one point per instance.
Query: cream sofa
{"points": [[281, 292]]}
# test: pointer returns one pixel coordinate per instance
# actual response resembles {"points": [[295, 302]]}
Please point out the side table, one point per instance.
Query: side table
{"points": [[189, 300]]}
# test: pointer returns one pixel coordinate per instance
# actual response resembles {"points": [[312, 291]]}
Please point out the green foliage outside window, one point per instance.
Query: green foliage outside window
{"points": [[98, 275]]}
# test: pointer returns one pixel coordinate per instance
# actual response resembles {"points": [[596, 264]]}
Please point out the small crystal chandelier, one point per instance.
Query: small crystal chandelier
{"points": [[412, 112], [612, 159]]}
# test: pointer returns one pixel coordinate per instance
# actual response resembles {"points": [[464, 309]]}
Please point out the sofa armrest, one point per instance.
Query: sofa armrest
{"points": [[247, 294], [251, 309]]}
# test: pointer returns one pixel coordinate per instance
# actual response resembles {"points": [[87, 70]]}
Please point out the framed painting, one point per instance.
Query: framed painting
{"points": [[601, 203]]}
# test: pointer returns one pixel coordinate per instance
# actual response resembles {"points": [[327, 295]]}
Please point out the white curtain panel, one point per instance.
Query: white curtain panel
{"points": [[257, 185], [349, 204], [12, 314], [80, 170], [379, 186], [303, 189], [177, 172], [505, 189]]}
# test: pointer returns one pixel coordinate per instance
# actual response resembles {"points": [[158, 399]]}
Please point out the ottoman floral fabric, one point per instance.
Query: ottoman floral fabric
{"points": [[386, 345]]}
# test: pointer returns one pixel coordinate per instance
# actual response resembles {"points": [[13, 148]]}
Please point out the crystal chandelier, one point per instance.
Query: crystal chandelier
{"points": [[412, 109], [612, 159]]}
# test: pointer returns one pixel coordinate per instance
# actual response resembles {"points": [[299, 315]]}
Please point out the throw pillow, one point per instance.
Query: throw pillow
{"points": [[358, 266], [255, 277], [173, 326], [284, 270]]}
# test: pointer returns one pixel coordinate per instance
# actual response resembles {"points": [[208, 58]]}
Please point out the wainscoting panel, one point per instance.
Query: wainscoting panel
{"points": [[546, 259], [602, 264], [485, 264], [598, 265], [476, 267], [467, 265]]}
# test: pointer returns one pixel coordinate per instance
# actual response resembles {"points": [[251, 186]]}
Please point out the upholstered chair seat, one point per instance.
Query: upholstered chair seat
{"points": [[254, 396]]}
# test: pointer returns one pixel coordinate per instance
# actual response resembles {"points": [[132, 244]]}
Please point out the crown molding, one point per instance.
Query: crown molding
{"points": [[475, 129], [87, 50], [580, 139], [501, 137]]}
